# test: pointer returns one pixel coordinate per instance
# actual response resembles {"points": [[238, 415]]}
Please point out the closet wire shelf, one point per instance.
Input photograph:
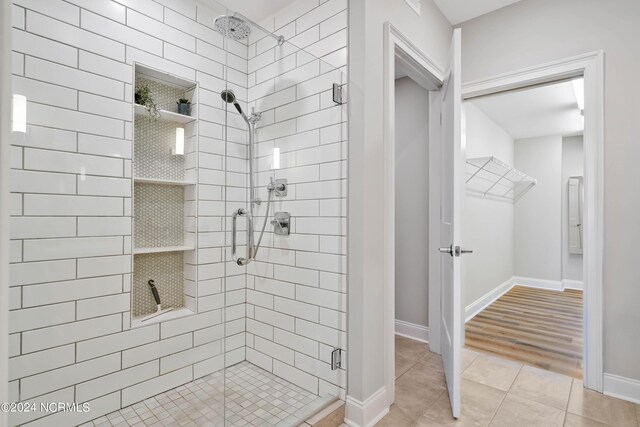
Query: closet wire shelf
{"points": [[491, 177]]}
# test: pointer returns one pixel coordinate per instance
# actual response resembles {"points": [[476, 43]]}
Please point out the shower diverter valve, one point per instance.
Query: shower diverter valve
{"points": [[279, 187]]}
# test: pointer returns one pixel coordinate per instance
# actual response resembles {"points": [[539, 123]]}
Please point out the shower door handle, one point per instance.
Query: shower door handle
{"points": [[234, 217]]}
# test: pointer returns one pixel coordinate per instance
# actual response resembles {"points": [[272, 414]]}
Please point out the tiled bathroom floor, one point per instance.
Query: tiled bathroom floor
{"points": [[496, 393], [254, 397]]}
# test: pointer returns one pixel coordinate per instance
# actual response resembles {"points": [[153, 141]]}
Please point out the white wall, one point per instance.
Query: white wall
{"points": [[572, 165], [70, 320], [487, 223], [412, 202], [502, 41], [71, 336], [538, 228], [526, 243], [431, 33]]}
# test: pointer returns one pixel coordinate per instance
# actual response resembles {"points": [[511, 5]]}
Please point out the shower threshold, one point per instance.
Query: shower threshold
{"points": [[250, 397]]}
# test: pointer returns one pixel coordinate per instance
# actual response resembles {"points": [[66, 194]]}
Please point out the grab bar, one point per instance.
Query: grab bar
{"points": [[249, 256]]}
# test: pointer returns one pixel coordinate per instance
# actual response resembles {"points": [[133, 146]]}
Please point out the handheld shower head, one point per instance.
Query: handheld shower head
{"points": [[229, 97]]}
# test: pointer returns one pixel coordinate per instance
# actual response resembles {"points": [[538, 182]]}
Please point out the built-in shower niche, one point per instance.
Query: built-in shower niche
{"points": [[164, 199]]}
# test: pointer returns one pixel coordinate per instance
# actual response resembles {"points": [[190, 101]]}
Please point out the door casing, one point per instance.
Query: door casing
{"points": [[425, 71], [589, 65]]}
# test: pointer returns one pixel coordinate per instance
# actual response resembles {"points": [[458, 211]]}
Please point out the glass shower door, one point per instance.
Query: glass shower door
{"points": [[286, 301]]}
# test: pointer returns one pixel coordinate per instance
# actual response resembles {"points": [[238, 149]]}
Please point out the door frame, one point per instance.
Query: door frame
{"points": [[591, 66], [397, 45]]}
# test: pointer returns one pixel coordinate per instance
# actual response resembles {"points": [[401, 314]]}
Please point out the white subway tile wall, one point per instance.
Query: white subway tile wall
{"points": [[71, 201]]}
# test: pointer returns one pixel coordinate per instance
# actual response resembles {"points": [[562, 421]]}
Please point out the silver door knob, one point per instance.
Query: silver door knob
{"points": [[459, 251], [448, 250]]}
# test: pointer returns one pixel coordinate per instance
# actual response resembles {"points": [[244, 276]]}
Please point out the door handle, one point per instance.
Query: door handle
{"points": [[455, 251], [236, 214], [448, 250], [459, 251]]}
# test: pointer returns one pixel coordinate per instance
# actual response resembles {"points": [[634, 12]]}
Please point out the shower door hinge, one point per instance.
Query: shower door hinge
{"points": [[338, 94], [336, 359]]}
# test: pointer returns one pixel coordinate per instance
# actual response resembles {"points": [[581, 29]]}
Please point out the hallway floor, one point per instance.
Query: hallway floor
{"points": [[537, 327], [496, 392]]}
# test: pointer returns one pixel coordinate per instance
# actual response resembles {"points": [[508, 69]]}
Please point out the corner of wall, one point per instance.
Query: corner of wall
{"points": [[369, 412], [412, 331], [486, 300]]}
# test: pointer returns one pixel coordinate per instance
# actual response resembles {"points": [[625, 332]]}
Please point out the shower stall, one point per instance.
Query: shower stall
{"points": [[179, 212]]}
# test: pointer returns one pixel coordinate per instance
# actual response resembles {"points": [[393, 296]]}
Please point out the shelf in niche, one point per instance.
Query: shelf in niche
{"points": [[164, 115], [169, 315], [162, 181], [160, 249]]}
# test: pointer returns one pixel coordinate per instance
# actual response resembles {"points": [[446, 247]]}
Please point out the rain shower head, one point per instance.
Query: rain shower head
{"points": [[238, 27], [233, 27]]}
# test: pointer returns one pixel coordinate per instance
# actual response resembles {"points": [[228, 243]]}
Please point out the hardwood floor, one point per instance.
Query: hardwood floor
{"points": [[534, 326]]}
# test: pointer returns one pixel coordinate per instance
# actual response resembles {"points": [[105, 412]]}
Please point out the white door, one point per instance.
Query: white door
{"points": [[452, 190]]}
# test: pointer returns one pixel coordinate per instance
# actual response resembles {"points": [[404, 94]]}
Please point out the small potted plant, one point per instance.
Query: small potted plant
{"points": [[184, 106], [143, 97]]}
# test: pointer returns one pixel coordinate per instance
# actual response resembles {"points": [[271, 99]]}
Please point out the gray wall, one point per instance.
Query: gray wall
{"points": [[431, 33], [412, 202], [572, 165], [537, 224], [532, 32], [487, 223]]}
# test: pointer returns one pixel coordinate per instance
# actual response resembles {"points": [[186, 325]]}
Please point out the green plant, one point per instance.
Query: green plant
{"points": [[183, 101], [144, 98]]}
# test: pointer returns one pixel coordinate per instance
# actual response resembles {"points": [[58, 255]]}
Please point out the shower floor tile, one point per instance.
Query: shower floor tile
{"points": [[254, 397]]}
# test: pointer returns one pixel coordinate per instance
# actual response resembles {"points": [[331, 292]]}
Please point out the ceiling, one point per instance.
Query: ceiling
{"points": [[458, 11], [540, 111], [256, 10]]}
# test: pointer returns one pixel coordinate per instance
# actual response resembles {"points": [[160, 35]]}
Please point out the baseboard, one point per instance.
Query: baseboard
{"points": [[413, 331], [369, 412], [486, 300], [552, 285], [573, 284], [622, 388]]}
